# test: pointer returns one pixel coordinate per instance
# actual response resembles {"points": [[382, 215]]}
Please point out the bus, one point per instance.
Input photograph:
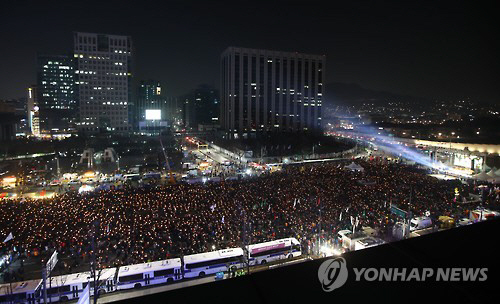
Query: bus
{"points": [[20, 292], [201, 264], [145, 274], [263, 253], [152, 175], [71, 286], [132, 177]]}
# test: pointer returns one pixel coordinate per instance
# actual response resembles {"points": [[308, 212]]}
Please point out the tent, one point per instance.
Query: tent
{"points": [[498, 172], [483, 176], [493, 173], [355, 167]]}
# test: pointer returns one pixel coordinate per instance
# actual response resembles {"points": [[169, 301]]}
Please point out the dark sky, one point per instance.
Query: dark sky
{"points": [[421, 48]]}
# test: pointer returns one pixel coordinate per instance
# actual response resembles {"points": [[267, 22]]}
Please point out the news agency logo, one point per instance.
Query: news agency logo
{"points": [[333, 274]]}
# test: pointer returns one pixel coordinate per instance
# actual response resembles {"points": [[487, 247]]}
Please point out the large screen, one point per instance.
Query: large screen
{"points": [[153, 114]]}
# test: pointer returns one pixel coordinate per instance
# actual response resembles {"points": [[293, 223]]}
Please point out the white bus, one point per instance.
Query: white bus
{"points": [[71, 286], [263, 253], [157, 272], [20, 292], [201, 264], [132, 177]]}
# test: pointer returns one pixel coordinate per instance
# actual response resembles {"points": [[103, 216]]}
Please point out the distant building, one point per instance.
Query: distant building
{"points": [[103, 77], [264, 91], [18, 108], [154, 111], [201, 106], [56, 93], [33, 112], [8, 122]]}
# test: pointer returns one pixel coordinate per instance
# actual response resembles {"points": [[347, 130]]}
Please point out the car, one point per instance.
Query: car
{"points": [[464, 222]]}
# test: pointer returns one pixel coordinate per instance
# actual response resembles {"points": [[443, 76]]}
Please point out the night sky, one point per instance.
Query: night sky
{"points": [[421, 48]]}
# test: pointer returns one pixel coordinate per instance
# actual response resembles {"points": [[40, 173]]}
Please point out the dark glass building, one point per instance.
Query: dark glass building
{"points": [[58, 107], [201, 106]]}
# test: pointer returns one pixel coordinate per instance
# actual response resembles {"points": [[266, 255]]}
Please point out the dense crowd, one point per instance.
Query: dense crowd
{"points": [[134, 225]]}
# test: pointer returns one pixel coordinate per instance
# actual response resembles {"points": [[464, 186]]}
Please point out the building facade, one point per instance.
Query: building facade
{"points": [[56, 93], [269, 91], [148, 98], [154, 111], [201, 107], [32, 109], [103, 78]]}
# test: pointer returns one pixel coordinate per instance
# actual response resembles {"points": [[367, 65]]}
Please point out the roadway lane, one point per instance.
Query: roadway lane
{"points": [[134, 293]]}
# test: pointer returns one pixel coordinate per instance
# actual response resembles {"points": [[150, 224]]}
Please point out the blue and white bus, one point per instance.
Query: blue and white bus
{"points": [[201, 264], [263, 253], [68, 287], [145, 274], [21, 292]]}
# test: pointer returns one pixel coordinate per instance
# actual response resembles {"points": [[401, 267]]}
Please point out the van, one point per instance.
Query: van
{"points": [[418, 223]]}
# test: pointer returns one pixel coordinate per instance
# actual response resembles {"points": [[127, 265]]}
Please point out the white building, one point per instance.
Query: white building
{"points": [[103, 79]]}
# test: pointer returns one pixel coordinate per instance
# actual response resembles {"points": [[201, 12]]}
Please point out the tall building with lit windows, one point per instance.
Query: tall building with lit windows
{"points": [[56, 93], [266, 91], [148, 97], [103, 81]]}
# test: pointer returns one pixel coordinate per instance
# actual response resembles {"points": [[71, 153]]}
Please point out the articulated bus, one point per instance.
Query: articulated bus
{"points": [[263, 253], [201, 264], [158, 272]]}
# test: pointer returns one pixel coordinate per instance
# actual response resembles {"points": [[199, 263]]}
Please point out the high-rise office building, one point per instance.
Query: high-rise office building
{"points": [[56, 93], [103, 78], [155, 111], [263, 91], [149, 97], [201, 106]]}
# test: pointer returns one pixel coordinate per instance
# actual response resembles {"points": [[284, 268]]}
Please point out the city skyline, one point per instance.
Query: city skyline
{"points": [[443, 50]]}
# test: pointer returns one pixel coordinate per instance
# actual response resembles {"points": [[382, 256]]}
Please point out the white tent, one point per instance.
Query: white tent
{"points": [[355, 167], [492, 172], [483, 176], [497, 172]]}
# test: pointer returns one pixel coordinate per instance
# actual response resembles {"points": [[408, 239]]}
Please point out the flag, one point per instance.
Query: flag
{"points": [[107, 228], [340, 217], [352, 220], [269, 208], [294, 203], [85, 297], [318, 201], [222, 219], [8, 238]]}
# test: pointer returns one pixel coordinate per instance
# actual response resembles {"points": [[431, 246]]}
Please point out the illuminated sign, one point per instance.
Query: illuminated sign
{"points": [[153, 114]]}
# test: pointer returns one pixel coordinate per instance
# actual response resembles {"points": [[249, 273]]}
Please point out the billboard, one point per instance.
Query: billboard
{"points": [[153, 114]]}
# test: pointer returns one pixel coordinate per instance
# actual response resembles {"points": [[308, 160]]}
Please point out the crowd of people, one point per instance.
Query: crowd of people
{"points": [[128, 226]]}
